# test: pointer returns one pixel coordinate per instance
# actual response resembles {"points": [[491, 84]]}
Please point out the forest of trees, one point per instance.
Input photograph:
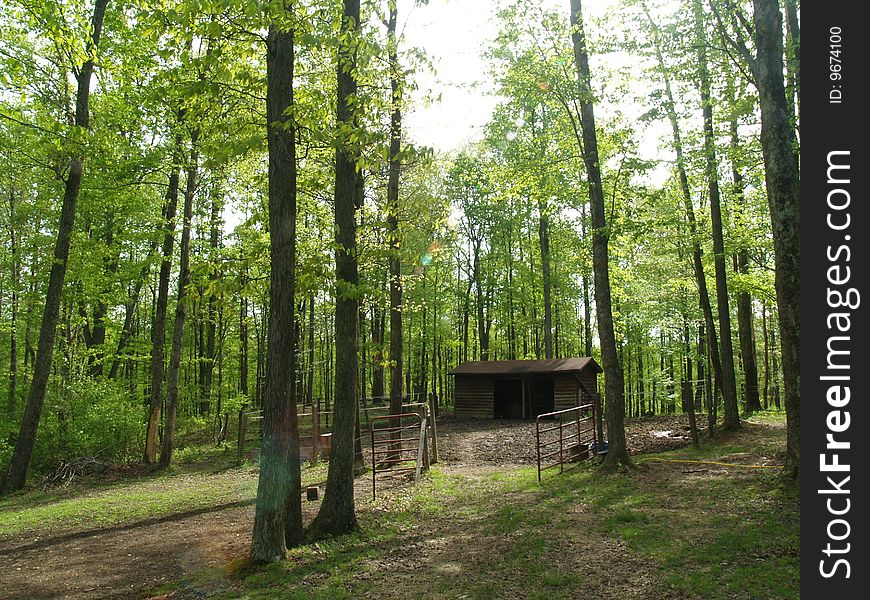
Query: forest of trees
{"points": [[212, 206]]}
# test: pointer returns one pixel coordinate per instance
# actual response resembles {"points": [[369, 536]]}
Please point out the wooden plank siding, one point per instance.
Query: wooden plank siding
{"points": [[590, 382], [565, 392], [474, 397]]}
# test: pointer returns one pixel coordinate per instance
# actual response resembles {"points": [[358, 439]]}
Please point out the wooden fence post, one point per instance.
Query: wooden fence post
{"points": [[315, 432], [243, 426], [433, 403]]}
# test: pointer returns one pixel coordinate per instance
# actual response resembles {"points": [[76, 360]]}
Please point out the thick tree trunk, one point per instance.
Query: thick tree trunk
{"points": [[587, 305], [180, 311], [729, 379], [278, 512], [614, 384], [337, 514], [782, 180], [23, 451], [793, 65]]}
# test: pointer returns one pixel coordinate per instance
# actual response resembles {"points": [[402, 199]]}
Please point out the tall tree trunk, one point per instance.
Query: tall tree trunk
{"points": [[23, 451], [614, 384], [97, 340], [466, 318], [16, 281], [782, 181], [793, 65], [180, 309], [544, 239], [363, 362], [729, 379], [309, 389], [587, 305], [243, 335], [641, 392], [130, 311], [745, 328], [396, 334], [207, 360], [512, 328], [278, 511], [688, 403], [158, 329], [378, 330], [766, 355], [697, 263], [482, 331], [337, 514]]}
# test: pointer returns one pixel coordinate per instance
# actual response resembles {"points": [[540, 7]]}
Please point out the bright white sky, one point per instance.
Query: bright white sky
{"points": [[455, 34]]}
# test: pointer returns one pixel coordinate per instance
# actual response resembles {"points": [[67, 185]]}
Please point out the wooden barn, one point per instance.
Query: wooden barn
{"points": [[523, 389]]}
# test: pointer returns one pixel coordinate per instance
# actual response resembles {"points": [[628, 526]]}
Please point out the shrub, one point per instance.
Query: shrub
{"points": [[93, 418]]}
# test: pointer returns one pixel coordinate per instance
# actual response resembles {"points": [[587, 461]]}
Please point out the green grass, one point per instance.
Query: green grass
{"points": [[102, 506], [182, 489]]}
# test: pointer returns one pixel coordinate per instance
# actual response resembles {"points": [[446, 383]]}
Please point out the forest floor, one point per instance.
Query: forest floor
{"points": [[479, 525]]}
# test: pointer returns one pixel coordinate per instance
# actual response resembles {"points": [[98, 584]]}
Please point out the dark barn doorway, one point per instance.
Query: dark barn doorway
{"points": [[541, 395], [508, 398]]}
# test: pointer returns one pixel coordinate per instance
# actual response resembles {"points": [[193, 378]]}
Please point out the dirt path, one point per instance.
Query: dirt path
{"points": [[135, 559]]}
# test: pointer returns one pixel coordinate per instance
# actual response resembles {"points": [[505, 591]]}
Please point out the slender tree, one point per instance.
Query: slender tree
{"points": [[158, 328], [729, 380], [686, 193], [20, 462], [745, 328], [16, 282], [395, 259], [168, 441], [614, 384]]}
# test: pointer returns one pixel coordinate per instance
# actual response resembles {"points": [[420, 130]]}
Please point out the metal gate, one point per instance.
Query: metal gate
{"points": [[571, 439], [395, 444]]}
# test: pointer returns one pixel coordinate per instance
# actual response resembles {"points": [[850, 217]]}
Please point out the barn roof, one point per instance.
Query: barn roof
{"points": [[526, 367]]}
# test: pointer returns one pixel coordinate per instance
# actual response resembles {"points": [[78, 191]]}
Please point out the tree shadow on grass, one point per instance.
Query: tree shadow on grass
{"points": [[99, 531]]}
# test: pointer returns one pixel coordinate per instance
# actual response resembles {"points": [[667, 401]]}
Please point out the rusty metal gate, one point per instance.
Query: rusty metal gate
{"points": [[399, 441], [556, 447]]}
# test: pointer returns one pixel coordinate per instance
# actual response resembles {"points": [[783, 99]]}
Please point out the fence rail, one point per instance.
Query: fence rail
{"points": [[315, 437]]}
